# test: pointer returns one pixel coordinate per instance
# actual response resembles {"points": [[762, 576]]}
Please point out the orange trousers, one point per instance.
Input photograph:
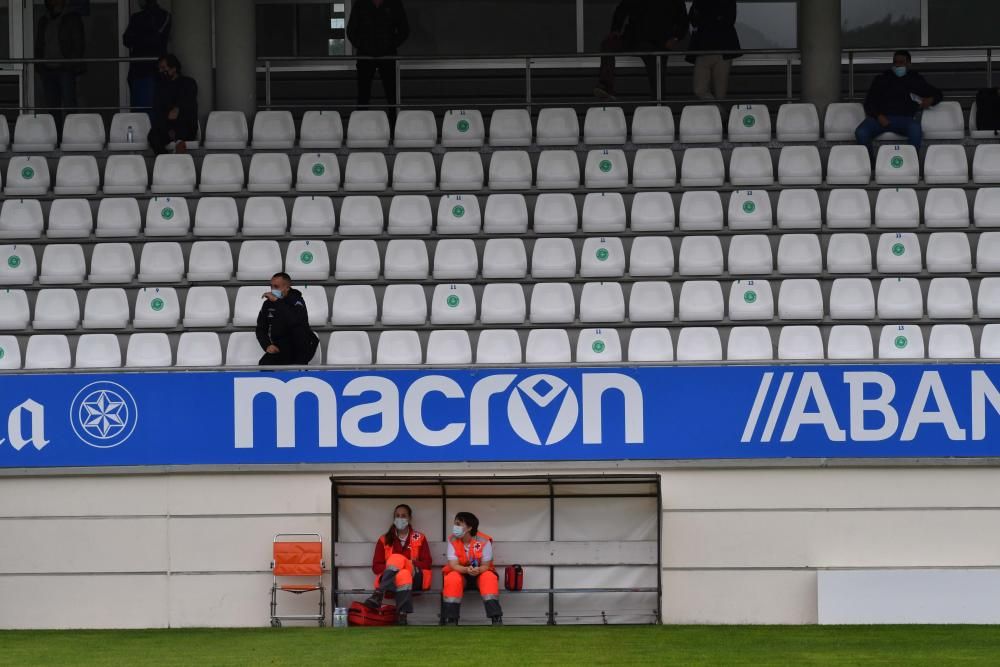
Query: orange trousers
{"points": [[455, 585], [398, 578]]}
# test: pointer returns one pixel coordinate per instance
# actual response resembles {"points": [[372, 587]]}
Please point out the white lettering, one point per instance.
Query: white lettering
{"points": [[982, 391], [36, 436], [387, 406], [930, 384], [245, 390], [880, 404], [479, 406], [812, 385], [413, 407], [594, 386]]}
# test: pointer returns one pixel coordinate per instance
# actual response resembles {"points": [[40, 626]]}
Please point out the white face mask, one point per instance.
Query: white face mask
{"points": [[401, 523], [457, 531]]}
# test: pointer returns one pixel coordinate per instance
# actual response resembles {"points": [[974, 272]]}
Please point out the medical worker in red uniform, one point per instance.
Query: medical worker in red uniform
{"points": [[402, 562], [470, 563]]}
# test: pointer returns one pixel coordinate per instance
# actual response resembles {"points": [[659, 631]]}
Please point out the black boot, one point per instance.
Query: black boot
{"points": [[375, 601], [401, 619], [498, 620]]}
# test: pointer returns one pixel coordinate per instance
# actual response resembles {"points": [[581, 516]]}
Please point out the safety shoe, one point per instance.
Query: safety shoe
{"points": [[401, 619], [498, 620], [375, 601]]}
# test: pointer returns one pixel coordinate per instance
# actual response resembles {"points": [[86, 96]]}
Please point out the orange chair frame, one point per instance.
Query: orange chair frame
{"points": [[297, 559]]}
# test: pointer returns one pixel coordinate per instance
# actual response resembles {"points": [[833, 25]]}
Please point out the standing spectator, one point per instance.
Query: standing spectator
{"points": [[642, 25], [175, 108], [893, 101], [283, 325], [146, 37], [59, 36], [377, 28], [714, 23]]}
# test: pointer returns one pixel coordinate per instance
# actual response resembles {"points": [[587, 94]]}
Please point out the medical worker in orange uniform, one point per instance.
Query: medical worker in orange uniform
{"points": [[402, 561], [470, 563]]}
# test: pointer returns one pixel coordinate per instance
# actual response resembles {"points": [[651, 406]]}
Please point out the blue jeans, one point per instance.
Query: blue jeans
{"points": [[141, 90], [870, 129]]}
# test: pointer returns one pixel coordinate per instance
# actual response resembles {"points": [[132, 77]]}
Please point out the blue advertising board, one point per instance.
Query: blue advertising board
{"points": [[521, 414]]}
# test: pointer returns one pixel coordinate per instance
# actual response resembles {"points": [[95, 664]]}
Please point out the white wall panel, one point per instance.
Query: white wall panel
{"points": [[233, 600], [739, 597], [91, 601], [112, 495], [250, 493]]}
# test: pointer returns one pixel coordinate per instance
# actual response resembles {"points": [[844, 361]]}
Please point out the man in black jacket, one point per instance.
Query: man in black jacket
{"points": [[642, 25], [146, 37], [59, 36], [175, 108], [283, 325], [893, 101], [377, 28], [714, 23]]}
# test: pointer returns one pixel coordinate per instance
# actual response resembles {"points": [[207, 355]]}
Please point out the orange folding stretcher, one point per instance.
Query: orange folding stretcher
{"points": [[297, 561]]}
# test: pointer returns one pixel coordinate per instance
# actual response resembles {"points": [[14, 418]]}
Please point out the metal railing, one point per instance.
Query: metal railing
{"points": [[24, 70], [851, 58]]}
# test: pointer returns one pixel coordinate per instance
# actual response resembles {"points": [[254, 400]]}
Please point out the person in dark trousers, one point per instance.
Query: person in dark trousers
{"points": [[175, 108], [642, 25], [377, 28], [146, 37], [714, 23], [894, 101], [283, 325], [60, 35]]}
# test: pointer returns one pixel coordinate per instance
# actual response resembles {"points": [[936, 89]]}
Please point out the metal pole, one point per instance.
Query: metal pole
{"points": [[989, 68], [267, 83], [527, 83], [659, 79], [399, 85], [850, 75], [335, 535], [552, 568], [788, 78]]}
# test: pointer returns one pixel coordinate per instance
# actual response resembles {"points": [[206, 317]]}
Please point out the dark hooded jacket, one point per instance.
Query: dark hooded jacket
{"points": [[714, 23], [650, 23], [377, 31], [890, 94], [285, 323]]}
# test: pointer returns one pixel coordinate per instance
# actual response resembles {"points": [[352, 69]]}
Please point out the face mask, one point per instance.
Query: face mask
{"points": [[899, 71], [277, 293], [457, 531], [400, 523]]}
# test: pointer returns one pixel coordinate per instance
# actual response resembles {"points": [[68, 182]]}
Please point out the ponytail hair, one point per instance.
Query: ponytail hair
{"points": [[470, 520], [390, 534]]}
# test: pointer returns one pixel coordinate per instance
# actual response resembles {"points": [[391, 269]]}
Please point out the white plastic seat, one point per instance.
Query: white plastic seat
{"points": [[349, 348], [459, 214], [750, 344], [651, 212], [456, 259], [318, 172], [404, 305], [850, 341], [220, 172], [453, 304], [175, 174], [112, 263], [949, 252], [357, 260], [548, 346], [246, 306], [313, 216], [27, 176], [701, 301], [702, 167], [699, 344], [226, 130], [4, 138], [602, 257], [510, 127], [148, 350], [751, 300], [651, 345], [985, 164], [651, 301], [410, 214], [901, 341], [606, 169], [556, 213], [797, 122], [264, 216], [56, 309], [800, 299], [307, 260], [800, 254], [848, 209], [848, 253], [750, 255], [461, 171], [18, 265], [842, 120], [605, 126], [799, 209], [321, 130], [602, 212], [361, 215], [98, 351], [988, 253], [106, 308], [949, 299], [701, 124], [651, 256], [900, 298], [413, 171], [365, 172], [21, 219], [118, 133], [557, 127], [77, 175], [897, 164], [14, 314], [354, 305], [160, 263], [449, 348], [750, 209], [273, 130], [167, 216], [318, 305], [406, 259], [946, 207], [557, 169], [70, 218], [462, 128], [499, 346], [988, 303], [751, 165], [199, 348], [415, 129], [505, 214], [602, 302], [399, 348], [216, 216], [700, 256], [125, 175], [848, 165], [210, 261], [800, 165], [800, 343], [986, 210], [653, 125], [654, 168], [368, 129], [242, 349], [503, 303], [510, 170], [897, 208], [944, 120], [159, 308], [47, 352], [852, 299], [989, 342], [749, 122], [946, 164], [553, 258], [118, 218], [951, 341], [35, 133], [552, 303], [258, 260], [598, 346], [269, 172]]}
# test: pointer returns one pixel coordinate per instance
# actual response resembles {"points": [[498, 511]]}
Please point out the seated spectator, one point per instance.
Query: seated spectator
{"points": [[402, 559], [470, 563], [893, 103], [175, 108], [714, 24], [283, 326]]}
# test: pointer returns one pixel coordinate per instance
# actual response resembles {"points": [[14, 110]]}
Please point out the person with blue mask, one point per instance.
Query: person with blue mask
{"points": [[283, 325], [894, 101], [470, 564]]}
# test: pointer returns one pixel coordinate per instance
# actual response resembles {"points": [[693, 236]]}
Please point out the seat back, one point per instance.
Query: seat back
{"points": [[297, 558]]}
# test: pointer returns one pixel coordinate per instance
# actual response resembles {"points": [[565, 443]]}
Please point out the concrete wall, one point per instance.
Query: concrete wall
{"points": [[739, 545]]}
